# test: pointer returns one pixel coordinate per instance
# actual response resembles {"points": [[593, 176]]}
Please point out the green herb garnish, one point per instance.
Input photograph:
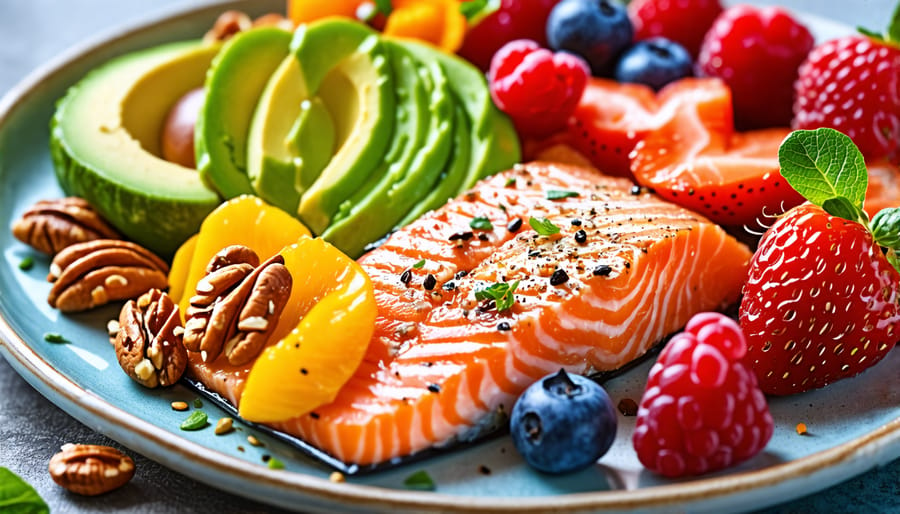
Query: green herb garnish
{"points": [[543, 226], [476, 10], [481, 223], [27, 263], [420, 480], [511, 181], [556, 194], [198, 403], [195, 421], [18, 497], [501, 293], [419, 264], [275, 463], [53, 337], [826, 168]]}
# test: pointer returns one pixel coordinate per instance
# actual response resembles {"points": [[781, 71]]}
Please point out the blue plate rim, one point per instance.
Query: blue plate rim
{"points": [[285, 488]]}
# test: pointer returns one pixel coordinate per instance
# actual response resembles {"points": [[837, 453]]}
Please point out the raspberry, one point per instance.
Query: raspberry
{"points": [[682, 21], [757, 53], [702, 410], [514, 19], [537, 88], [852, 84]]}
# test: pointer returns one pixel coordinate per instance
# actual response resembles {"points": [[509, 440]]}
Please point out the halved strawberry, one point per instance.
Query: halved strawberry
{"points": [[697, 160], [612, 117], [884, 187]]}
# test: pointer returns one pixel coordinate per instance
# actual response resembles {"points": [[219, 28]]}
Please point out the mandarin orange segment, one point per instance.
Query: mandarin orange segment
{"points": [[332, 308], [305, 11], [244, 220], [439, 22]]}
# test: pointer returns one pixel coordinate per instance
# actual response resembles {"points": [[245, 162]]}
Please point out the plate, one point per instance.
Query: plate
{"points": [[854, 425]]}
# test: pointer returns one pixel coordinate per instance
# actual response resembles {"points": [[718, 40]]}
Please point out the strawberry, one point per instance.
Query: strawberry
{"points": [[756, 51], [697, 160], [682, 21], [702, 410], [822, 301], [884, 187], [852, 84], [612, 117]]}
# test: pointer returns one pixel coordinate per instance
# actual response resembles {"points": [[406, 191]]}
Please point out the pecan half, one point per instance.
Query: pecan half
{"points": [[149, 340], [237, 305], [49, 226], [91, 274], [227, 25], [90, 470]]}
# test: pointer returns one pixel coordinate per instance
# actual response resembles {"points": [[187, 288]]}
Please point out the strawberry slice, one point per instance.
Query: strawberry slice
{"points": [[612, 117], [697, 160]]}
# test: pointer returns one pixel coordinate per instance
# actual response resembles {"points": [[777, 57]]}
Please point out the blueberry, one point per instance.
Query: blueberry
{"points": [[597, 30], [654, 62], [563, 423]]}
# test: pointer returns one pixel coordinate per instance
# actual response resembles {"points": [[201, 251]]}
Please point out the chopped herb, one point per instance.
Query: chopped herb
{"points": [[198, 403], [16, 495], [481, 223], [419, 264], [275, 463], [511, 181], [27, 263], [555, 194], [501, 293], [53, 337], [543, 226], [195, 421], [420, 480]]}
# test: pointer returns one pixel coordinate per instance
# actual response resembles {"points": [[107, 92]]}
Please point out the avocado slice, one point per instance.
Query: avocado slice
{"points": [[346, 64], [495, 145], [105, 144], [453, 175], [424, 128], [233, 87]]}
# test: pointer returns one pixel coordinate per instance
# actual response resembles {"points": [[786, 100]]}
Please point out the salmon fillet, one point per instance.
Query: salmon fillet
{"points": [[442, 360]]}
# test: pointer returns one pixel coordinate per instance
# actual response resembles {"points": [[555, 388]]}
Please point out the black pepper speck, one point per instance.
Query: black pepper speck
{"points": [[602, 270], [405, 277], [503, 326], [580, 237], [559, 277], [434, 388], [514, 225]]}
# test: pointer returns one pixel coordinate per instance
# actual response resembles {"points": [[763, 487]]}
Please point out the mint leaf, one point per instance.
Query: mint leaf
{"points": [[420, 480], [197, 420], [824, 164], [886, 228], [543, 226], [502, 293], [17, 497]]}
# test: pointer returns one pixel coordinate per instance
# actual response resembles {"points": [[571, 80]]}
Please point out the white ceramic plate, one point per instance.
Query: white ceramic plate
{"points": [[854, 425]]}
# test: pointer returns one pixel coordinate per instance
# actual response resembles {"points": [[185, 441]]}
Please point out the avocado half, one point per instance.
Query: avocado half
{"points": [[106, 144]]}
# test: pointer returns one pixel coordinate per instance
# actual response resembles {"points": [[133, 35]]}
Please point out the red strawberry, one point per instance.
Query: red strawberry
{"points": [[612, 117], [682, 21], [697, 160], [537, 88], [702, 410], [756, 51], [822, 301], [884, 187], [852, 84]]}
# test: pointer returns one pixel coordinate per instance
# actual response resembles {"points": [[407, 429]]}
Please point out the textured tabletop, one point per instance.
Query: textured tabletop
{"points": [[32, 429]]}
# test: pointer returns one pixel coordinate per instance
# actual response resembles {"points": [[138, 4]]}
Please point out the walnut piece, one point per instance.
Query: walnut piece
{"points": [[49, 226], [149, 340], [90, 470], [237, 305], [94, 273], [227, 25]]}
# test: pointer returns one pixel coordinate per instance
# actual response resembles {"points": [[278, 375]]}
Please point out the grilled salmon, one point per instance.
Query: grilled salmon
{"points": [[624, 270]]}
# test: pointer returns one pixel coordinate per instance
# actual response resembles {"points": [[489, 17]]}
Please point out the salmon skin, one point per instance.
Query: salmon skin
{"points": [[625, 270]]}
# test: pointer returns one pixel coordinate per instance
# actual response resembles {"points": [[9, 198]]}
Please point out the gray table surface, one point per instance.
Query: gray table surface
{"points": [[32, 429]]}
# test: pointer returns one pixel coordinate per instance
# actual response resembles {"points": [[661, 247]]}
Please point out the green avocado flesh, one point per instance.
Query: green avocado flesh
{"points": [[233, 86], [106, 144]]}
